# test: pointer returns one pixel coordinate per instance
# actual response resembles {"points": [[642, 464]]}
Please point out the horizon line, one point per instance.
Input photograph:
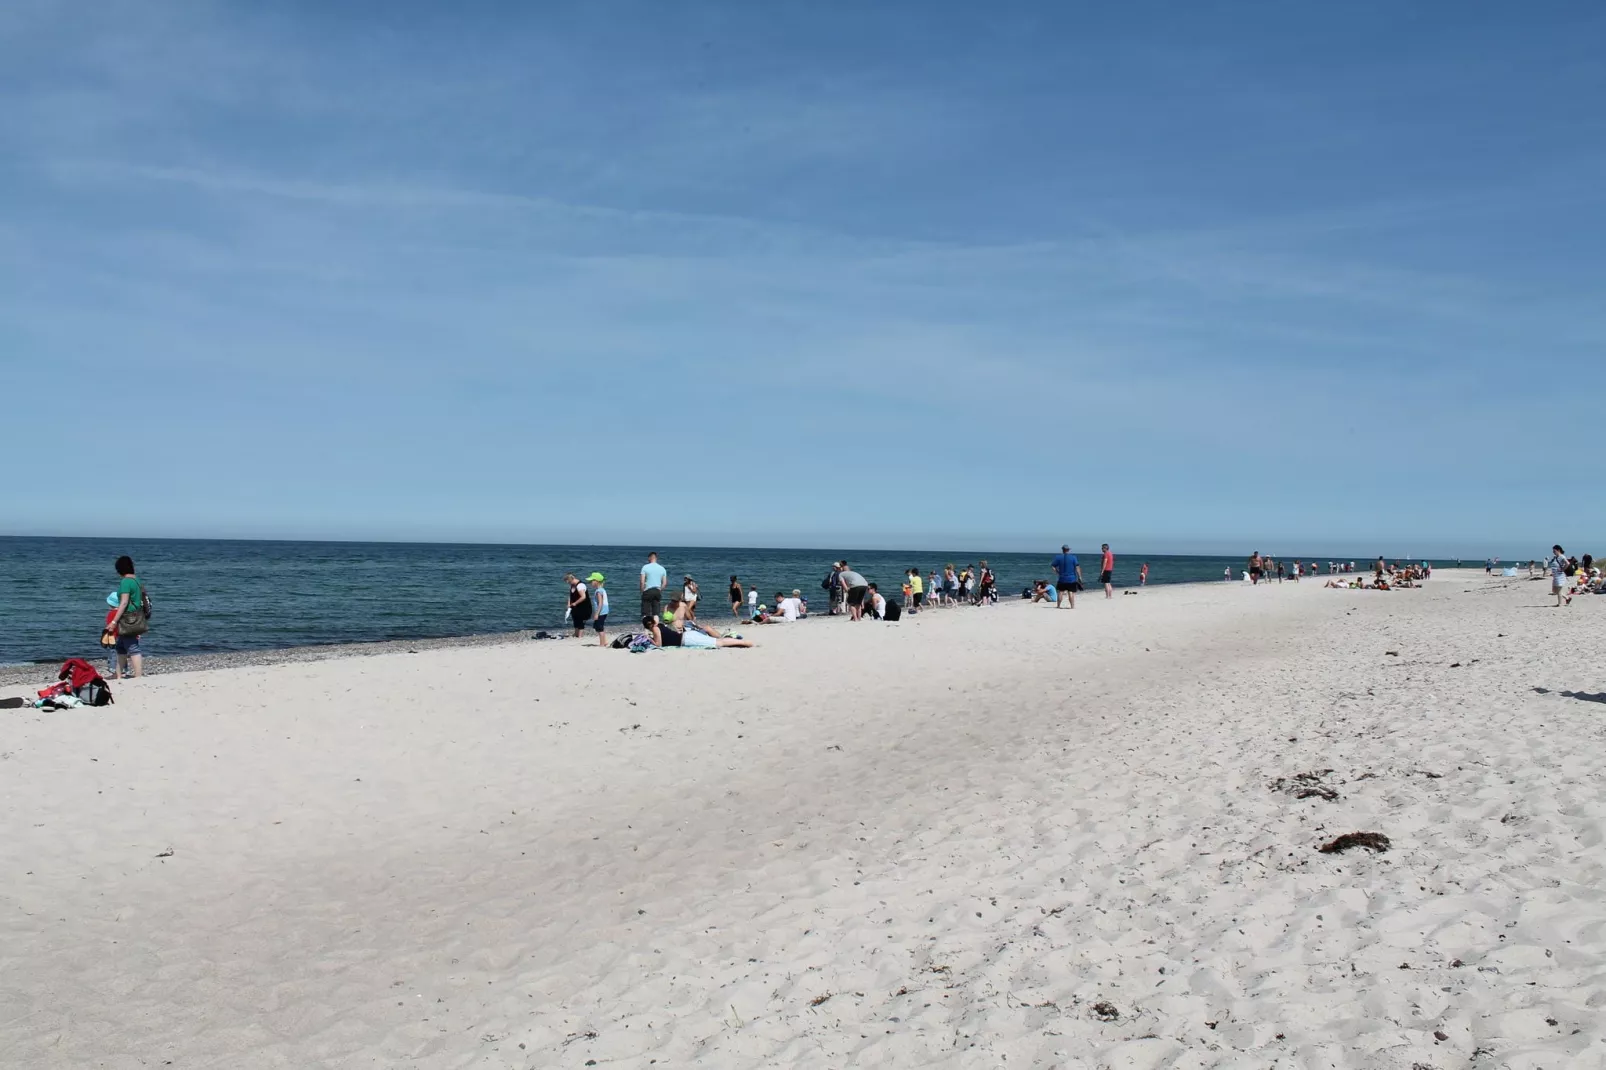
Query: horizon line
{"points": [[645, 547]]}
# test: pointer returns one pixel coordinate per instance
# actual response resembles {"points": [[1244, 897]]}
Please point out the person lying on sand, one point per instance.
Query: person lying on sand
{"points": [[679, 631]]}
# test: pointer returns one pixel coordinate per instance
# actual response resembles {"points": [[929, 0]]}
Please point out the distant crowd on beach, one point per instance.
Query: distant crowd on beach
{"points": [[669, 618], [669, 615]]}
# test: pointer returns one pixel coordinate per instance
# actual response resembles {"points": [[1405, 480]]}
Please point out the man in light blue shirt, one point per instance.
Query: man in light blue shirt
{"points": [[653, 578]]}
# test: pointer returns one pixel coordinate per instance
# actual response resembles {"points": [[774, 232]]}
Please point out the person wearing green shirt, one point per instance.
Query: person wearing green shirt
{"points": [[130, 599]]}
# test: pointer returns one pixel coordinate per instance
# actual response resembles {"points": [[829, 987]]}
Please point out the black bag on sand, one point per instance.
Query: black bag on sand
{"points": [[894, 611], [94, 693]]}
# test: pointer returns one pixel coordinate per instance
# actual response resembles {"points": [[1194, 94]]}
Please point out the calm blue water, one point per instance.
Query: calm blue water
{"points": [[225, 595]]}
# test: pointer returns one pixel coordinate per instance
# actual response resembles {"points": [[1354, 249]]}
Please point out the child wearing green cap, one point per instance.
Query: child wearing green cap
{"points": [[599, 605]]}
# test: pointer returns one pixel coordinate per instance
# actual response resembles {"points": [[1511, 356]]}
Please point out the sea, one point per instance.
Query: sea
{"points": [[212, 596]]}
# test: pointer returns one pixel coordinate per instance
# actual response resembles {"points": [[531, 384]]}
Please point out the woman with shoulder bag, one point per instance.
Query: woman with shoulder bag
{"points": [[130, 620]]}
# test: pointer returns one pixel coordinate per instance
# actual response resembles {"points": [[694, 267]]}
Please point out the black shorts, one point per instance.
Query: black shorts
{"points": [[1104, 577], [652, 603], [920, 599], [1066, 587], [856, 595], [580, 614], [600, 624]]}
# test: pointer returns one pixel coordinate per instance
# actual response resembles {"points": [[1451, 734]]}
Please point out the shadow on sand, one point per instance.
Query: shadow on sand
{"points": [[1582, 696]]}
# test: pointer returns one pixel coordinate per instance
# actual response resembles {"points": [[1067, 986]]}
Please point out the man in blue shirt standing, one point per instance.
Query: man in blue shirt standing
{"points": [[653, 578], [1069, 574]]}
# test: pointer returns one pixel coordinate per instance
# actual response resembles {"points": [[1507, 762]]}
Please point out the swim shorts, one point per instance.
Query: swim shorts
{"points": [[599, 624], [1104, 577], [692, 639], [1065, 587], [856, 595]]}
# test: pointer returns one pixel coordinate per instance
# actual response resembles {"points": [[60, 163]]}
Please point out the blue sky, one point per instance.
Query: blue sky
{"points": [[1182, 277]]}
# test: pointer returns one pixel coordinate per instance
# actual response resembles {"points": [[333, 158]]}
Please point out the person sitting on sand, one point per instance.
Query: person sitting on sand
{"points": [[688, 634]]}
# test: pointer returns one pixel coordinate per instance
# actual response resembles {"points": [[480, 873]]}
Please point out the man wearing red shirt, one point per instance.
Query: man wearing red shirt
{"points": [[1107, 572]]}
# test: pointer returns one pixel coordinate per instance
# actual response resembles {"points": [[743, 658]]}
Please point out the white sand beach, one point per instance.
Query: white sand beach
{"points": [[983, 837]]}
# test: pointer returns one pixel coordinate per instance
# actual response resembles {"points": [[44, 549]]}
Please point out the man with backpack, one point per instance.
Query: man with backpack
{"points": [[832, 584]]}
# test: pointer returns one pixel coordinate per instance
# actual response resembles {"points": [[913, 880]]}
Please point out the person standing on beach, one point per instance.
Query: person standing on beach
{"points": [[653, 578], [1143, 575], [917, 590], [1069, 577], [599, 606], [1107, 572], [108, 635], [1558, 575], [129, 619], [833, 588], [752, 602], [689, 596], [736, 598], [1256, 567], [857, 587], [1226, 573], [579, 604]]}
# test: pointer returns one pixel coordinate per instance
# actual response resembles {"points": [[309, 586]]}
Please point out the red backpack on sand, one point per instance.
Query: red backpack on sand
{"points": [[81, 680]]}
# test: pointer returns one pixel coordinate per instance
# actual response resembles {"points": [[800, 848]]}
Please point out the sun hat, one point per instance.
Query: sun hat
{"points": [[112, 599], [595, 577]]}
